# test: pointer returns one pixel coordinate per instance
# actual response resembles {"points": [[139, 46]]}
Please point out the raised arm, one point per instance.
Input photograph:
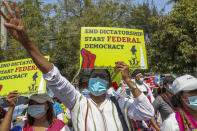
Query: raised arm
{"points": [[140, 108], [121, 66], [11, 99], [15, 26], [60, 86]]}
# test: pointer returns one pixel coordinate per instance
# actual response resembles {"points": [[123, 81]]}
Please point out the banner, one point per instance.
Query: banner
{"points": [[101, 47], [151, 82], [22, 75]]}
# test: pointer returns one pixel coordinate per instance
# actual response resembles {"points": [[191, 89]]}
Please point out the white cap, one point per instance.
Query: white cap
{"points": [[138, 74], [184, 83]]}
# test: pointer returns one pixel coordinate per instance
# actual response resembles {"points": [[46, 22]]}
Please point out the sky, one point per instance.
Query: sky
{"points": [[159, 4]]}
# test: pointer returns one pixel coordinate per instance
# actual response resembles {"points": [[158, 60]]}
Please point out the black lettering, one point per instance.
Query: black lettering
{"points": [[122, 46], [92, 46], [100, 46], [86, 45], [96, 46], [86, 38]]}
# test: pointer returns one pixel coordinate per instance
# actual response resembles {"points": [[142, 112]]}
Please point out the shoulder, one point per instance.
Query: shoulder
{"points": [[146, 85], [158, 98], [81, 102], [170, 124]]}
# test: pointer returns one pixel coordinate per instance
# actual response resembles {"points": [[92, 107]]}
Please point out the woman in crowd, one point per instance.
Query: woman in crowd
{"points": [[40, 116], [185, 100], [162, 102]]}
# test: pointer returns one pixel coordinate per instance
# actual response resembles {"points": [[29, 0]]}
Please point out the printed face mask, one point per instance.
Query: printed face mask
{"points": [[97, 86], [193, 102], [36, 111]]}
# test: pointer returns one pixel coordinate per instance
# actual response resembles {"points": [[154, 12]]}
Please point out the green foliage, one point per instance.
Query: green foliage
{"points": [[174, 43], [55, 28]]}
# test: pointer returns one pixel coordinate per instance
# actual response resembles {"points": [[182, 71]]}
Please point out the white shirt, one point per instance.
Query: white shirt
{"points": [[143, 87], [170, 124], [102, 118]]}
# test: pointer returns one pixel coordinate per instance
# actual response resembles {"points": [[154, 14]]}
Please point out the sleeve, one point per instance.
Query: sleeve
{"points": [[61, 117], [61, 87], [156, 103], [150, 93], [140, 109]]}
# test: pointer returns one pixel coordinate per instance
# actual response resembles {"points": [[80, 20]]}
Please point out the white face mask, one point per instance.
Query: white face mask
{"points": [[36, 111]]}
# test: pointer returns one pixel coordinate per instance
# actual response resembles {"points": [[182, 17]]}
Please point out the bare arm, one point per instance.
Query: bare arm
{"points": [[154, 123], [16, 28], [121, 66], [6, 123]]}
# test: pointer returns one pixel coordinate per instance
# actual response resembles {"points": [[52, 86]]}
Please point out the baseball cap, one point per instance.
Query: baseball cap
{"points": [[184, 83], [41, 98], [138, 74]]}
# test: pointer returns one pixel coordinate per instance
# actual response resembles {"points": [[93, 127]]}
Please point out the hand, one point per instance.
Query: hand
{"points": [[12, 98], [124, 68], [14, 24]]}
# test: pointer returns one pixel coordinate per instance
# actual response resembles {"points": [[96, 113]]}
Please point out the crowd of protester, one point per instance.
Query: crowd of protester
{"points": [[92, 104]]}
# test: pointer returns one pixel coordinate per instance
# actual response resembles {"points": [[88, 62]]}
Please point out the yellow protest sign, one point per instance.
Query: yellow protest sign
{"points": [[22, 75], [101, 47]]}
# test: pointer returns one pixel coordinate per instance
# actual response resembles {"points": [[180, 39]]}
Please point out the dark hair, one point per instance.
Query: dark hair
{"points": [[84, 76], [168, 79], [50, 115], [83, 81], [176, 100], [108, 73]]}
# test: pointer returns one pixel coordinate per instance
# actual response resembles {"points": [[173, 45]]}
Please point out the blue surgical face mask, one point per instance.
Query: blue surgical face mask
{"points": [[97, 86], [193, 102], [85, 91], [141, 80], [36, 111], [170, 87]]}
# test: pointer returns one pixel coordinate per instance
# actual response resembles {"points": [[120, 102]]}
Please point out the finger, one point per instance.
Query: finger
{"points": [[9, 9], [13, 94], [12, 100], [119, 66], [122, 63], [11, 97], [118, 62], [17, 11], [117, 69], [14, 27], [4, 16]]}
